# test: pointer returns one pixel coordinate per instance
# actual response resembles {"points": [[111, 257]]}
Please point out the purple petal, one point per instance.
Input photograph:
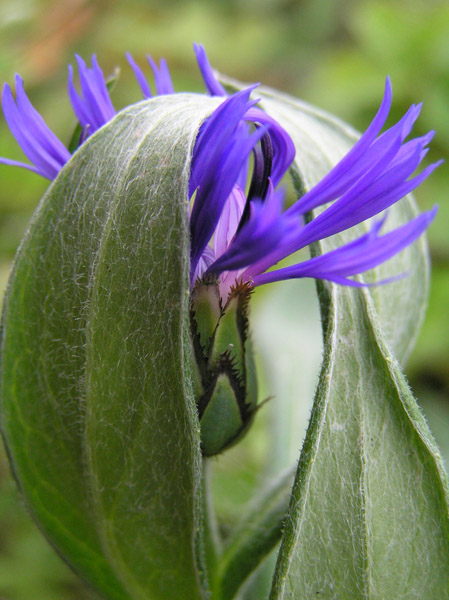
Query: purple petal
{"points": [[91, 97], [212, 84], [47, 138], [341, 177], [215, 135], [16, 163], [141, 80], [408, 150], [229, 220], [93, 107], [358, 256], [102, 89], [341, 215], [283, 147], [162, 77], [32, 134], [355, 209], [77, 103], [214, 190], [266, 229], [206, 259]]}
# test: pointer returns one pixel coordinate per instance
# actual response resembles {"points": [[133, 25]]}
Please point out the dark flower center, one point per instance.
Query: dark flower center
{"points": [[263, 161]]}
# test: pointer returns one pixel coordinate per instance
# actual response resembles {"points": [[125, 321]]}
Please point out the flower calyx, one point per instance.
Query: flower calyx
{"points": [[226, 395]]}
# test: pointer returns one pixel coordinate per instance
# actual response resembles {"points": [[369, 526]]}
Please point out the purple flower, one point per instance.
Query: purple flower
{"points": [[46, 153], [376, 173], [161, 74], [93, 107], [240, 231]]}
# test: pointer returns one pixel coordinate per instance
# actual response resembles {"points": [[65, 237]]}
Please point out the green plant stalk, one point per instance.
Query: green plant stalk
{"points": [[259, 531], [211, 534]]}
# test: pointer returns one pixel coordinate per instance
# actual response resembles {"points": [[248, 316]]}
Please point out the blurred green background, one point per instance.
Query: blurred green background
{"points": [[333, 54]]}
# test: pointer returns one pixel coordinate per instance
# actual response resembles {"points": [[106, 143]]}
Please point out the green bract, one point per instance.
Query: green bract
{"points": [[227, 396]]}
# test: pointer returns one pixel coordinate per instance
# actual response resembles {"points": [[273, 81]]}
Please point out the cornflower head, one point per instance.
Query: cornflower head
{"points": [[240, 228]]}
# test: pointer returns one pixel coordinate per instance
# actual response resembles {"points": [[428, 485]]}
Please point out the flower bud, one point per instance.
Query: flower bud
{"points": [[227, 396]]}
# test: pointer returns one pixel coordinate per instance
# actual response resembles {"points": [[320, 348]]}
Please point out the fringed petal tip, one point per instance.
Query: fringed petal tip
{"points": [[213, 86], [356, 257], [162, 77], [93, 106], [139, 75], [43, 149]]}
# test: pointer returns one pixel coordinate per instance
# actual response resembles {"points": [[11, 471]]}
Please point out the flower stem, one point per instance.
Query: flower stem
{"points": [[212, 541]]}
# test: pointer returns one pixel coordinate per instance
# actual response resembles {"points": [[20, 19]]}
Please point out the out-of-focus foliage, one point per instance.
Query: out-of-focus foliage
{"points": [[334, 54]]}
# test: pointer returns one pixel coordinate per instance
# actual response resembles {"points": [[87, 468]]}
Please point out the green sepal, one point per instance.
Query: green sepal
{"points": [[112, 80], [75, 138]]}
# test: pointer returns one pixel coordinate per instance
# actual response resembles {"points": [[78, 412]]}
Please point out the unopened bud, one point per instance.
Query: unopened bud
{"points": [[227, 396]]}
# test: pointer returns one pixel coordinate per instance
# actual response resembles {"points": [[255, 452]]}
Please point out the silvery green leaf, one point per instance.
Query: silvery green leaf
{"points": [[369, 509], [97, 411]]}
